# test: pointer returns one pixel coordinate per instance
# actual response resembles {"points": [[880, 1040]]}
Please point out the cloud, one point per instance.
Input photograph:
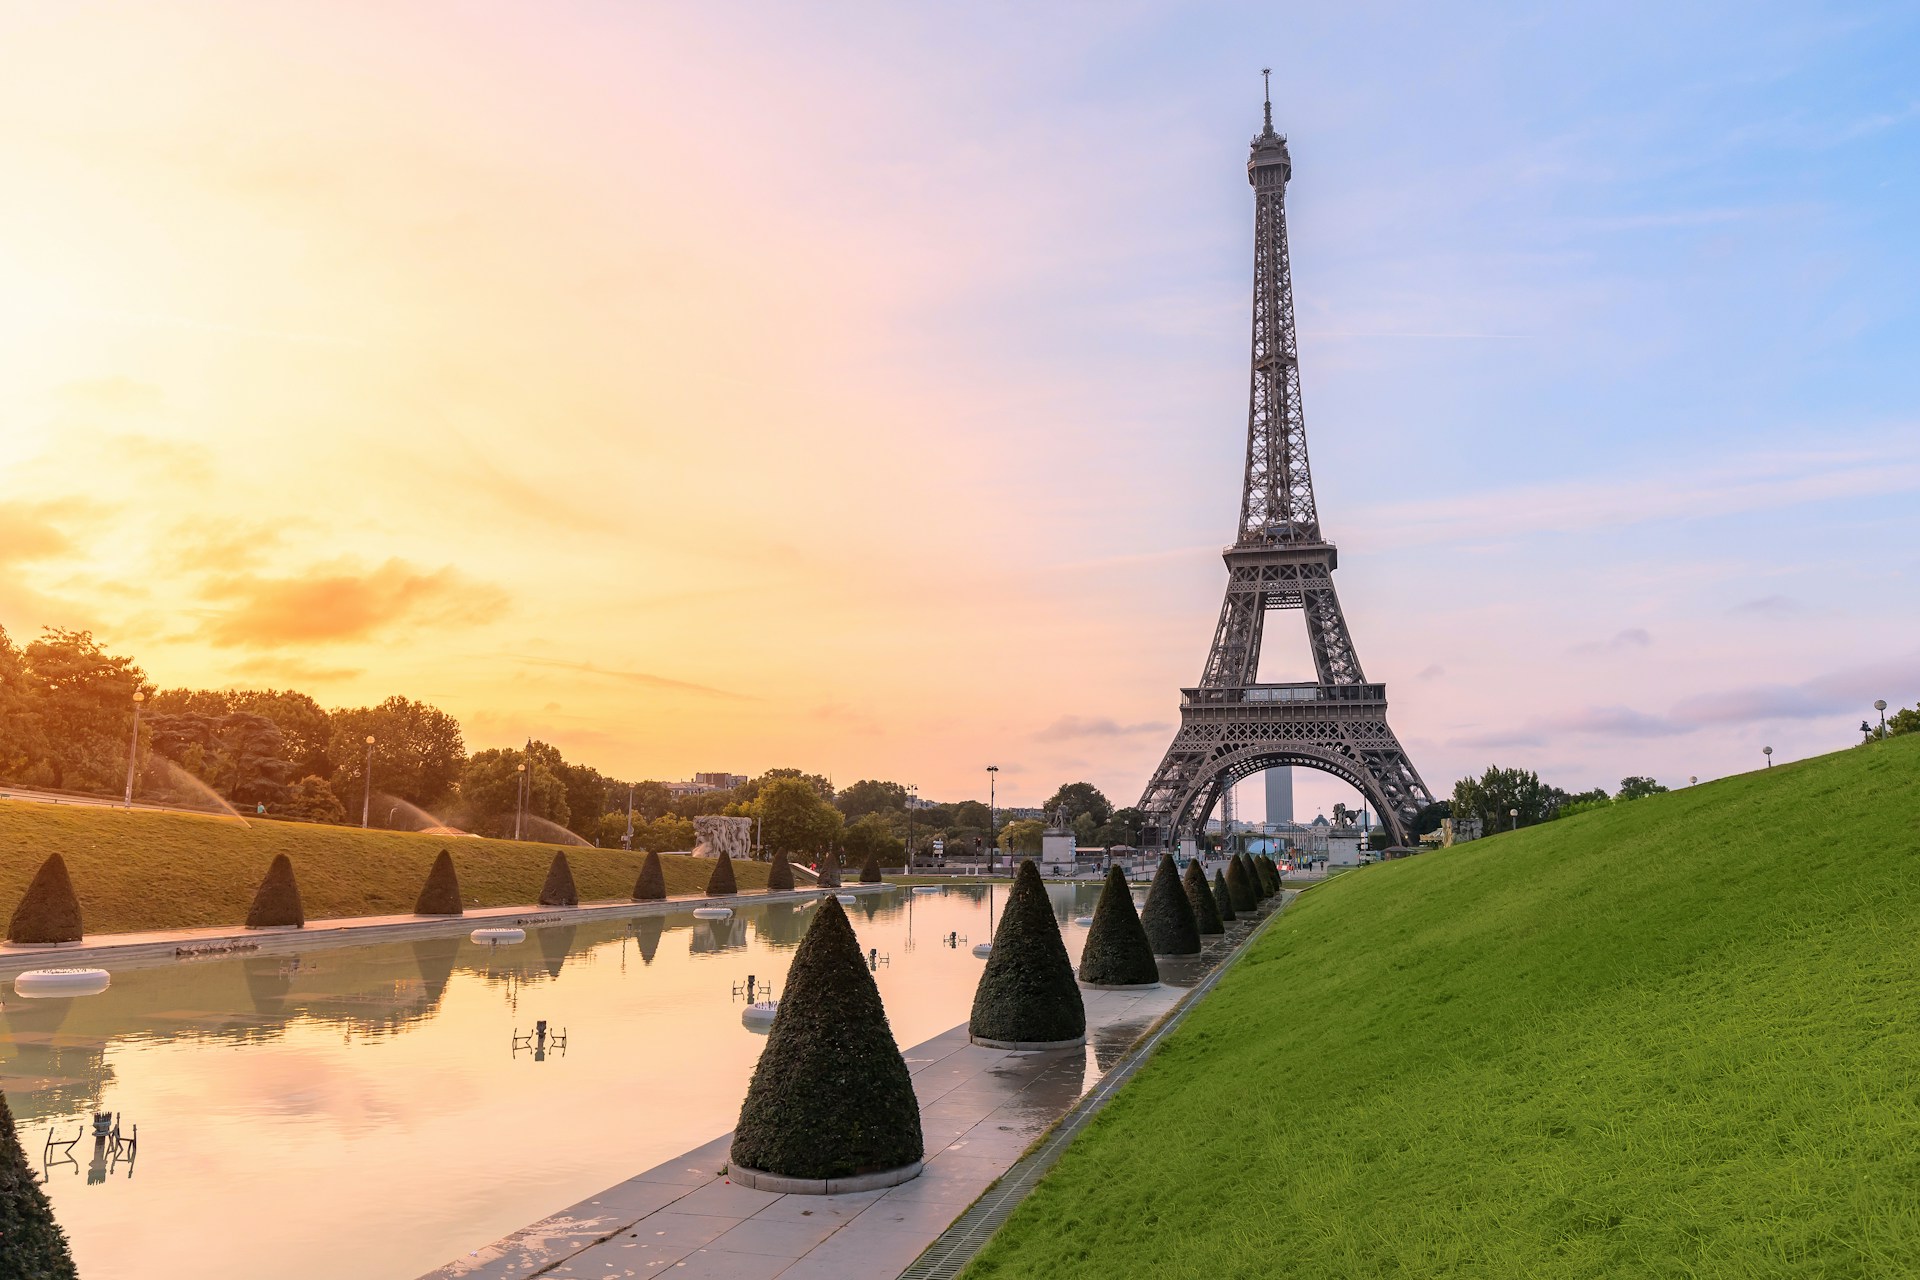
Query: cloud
{"points": [[1068, 728], [331, 603], [645, 678], [26, 533], [295, 671], [1432, 671], [1631, 638], [1768, 605], [216, 545]]}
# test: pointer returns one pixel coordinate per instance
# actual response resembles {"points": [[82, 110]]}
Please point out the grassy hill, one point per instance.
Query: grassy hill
{"points": [[146, 870], [1678, 1037]]}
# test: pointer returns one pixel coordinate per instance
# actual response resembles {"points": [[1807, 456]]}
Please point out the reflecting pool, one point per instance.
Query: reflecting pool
{"points": [[378, 1110]]}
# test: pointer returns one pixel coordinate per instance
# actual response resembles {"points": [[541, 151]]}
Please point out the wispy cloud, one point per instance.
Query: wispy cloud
{"points": [[1768, 605], [1070, 728], [1621, 641], [333, 603], [644, 678]]}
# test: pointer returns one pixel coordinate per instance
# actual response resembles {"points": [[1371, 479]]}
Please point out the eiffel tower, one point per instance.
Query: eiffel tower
{"points": [[1232, 726]]}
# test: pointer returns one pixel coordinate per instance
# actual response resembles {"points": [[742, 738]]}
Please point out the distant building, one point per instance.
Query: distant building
{"points": [[720, 781], [1280, 796]]}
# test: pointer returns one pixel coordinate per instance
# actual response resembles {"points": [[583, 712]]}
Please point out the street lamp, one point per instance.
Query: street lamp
{"points": [[993, 849], [626, 841], [1692, 779], [912, 791], [1768, 752], [519, 796], [1514, 816], [366, 797], [133, 748], [1880, 705]]}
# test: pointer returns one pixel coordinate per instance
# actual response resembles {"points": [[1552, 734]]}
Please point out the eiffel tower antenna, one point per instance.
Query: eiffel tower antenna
{"points": [[1231, 725], [1266, 78]]}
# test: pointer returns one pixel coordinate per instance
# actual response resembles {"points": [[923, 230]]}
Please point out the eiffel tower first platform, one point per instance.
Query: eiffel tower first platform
{"points": [[1232, 726]]}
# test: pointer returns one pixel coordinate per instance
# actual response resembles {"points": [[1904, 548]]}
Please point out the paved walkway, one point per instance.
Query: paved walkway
{"points": [[979, 1109]]}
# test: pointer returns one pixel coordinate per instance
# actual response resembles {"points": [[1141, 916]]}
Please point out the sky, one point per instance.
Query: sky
{"points": [[863, 387]]}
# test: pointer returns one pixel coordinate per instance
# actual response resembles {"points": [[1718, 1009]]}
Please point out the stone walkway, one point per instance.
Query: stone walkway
{"points": [[979, 1108]]}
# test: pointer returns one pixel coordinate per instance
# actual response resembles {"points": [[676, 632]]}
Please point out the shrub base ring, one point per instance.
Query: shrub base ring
{"points": [[1119, 986], [1177, 955], [781, 1184], [1029, 1046]]}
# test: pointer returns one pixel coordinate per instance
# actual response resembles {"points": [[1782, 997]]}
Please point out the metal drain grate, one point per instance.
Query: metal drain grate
{"points": [[947, 1256]]}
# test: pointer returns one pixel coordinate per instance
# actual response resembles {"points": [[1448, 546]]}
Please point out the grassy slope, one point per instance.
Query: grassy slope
{"points": [[145, 870], [1680, 1037]]}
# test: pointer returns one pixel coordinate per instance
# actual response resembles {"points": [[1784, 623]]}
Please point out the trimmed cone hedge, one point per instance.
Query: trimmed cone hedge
{"points": [[652, 884], [870, 870], [780, 874], [559, 890], [1258, 881], [31, 1241], [276, 902], [831, 1096], [721, 882], [1168, 916], [440, 896], [1271, 870], [1117, 952], [1206, 913], [1240, 888], [1223, 897], [1027, 993], [48, 911], [830, 871]]}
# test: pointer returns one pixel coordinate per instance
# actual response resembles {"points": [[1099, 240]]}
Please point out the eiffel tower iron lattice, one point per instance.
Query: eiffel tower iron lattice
{"points": [[1232, 726]]}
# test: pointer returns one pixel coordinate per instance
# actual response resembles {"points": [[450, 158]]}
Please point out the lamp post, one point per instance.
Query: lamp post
{"points": [[1692, 779], [993, 848], [1513, 816], [912, 791], [133, 747], [1879, 704], [626, 841], [1768, 752], [366, 796], [519, 796]]}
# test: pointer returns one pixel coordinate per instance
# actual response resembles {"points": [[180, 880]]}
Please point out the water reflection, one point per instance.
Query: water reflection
{"points": [[326, 1055]]}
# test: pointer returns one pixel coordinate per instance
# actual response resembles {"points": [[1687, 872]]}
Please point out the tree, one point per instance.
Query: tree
{"points": [[817, 783], [1430, 816], [1086, 830], [872, 838], [418, 753], [1905, 720], [559, 889], [239, 754], [48, 911], [440, 895], [1022, 836], [1027, 993], [1638, 788], [831, 1096], [1495, 794], [82, 702], [276, 903], [868, 796], [1117, 952], [31, 1241], [1168, 916], [1206, 912], [1077, 798], [490, 788], [794, 818], [312, 800], [1127, 826], [650, 800]]}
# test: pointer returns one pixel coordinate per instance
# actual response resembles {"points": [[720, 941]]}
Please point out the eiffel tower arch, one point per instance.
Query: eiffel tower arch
{"points": [[1231, 725]]}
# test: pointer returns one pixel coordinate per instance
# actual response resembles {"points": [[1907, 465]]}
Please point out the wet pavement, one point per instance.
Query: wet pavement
{"points": [[980, 1109]]}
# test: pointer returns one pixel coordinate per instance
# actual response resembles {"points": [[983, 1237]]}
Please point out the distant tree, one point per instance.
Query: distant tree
{"points": [[1430, 817], [795, 817], [1495, 793], [1638, 788], [1126, 826], [490, 788], [1078, 798], [418, 753], [1379, 838], [665, 834], [81, 698], [650, 800], [868, 796], [312, 800], [1086, 830], [873, 837], [305, 731], [750, 791], [1022, 836], [1905, 720]]}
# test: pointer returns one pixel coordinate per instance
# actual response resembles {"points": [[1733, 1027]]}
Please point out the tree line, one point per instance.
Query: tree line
{"points": [[67, 713]]}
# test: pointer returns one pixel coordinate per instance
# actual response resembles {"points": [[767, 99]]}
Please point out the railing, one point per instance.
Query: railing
{"points": [[1284, 693]]}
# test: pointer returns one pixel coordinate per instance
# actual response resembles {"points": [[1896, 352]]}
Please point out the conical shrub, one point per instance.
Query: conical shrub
{"points": [[651, 886], [31, 1241], [1272, 870], [440, 896], [720, 883], [1223, 897], [1240, 888], [276, 903], [1027, 994], [1117, 953], [559, 890], [870, 870], [831, 1096], [48, 911], [780, 874], [830, 871], [1206, 913], [1258, 881], [1168, 916]]}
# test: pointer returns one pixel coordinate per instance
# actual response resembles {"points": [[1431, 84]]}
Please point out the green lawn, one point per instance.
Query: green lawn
{"points": [[146, 870], [1680, 1037]]}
